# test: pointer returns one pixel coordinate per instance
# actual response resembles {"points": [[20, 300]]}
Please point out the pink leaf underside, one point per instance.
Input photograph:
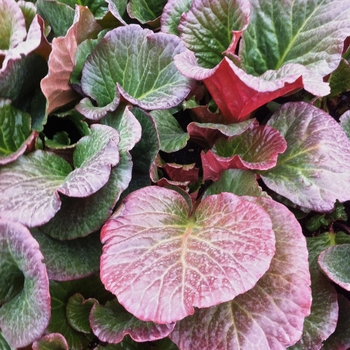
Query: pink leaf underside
{"points": [[271, 143], [270, 316], [160, 263], [181, 173], [27, 144], [237, 93], [33, 303], [209, 132], [35, 41], [55, 85]]}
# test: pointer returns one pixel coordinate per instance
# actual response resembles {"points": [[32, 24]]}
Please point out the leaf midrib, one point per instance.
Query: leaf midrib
{"points": [[291, 43]]}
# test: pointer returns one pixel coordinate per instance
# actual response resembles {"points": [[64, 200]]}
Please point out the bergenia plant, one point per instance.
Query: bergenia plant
{"points": [[175, 175]]}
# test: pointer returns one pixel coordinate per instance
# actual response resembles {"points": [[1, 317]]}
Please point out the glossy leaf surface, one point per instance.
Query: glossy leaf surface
{"points": [[178, 260], [294, 35], [209, 27], [171, 15], [143, 73], [53, 341]]}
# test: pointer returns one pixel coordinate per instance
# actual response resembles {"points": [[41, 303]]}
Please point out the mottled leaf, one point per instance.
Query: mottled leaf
{"points": [[93, 158], [15, 132], [55, 85], [172, 137], [28, 188], [24, 318], [310, 33], [314, 171], [209, 28], [110, 323], [271, 314], [79, 217], [170, 261], [334, 262], [171, 15], [141, 69], [68, 260]]}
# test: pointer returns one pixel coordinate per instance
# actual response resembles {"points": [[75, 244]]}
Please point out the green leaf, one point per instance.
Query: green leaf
{"points": [[209, 28], [29, 11], [78, 311], [340, 339], [118, 9], [59, 15], [12, 25], [79, 217], [140, 67], [24, 318], [111, 323], [310, 33], [334, 262], [129, 128], [145, 11], [90, 287], [345, 123], [172, 137], [52, 341], [68, 260], [324, 308], [172, 13], [15, 132], [314, 171], [59, 140], [4, 345], [339, 80], [28, 187], [239, 182]]}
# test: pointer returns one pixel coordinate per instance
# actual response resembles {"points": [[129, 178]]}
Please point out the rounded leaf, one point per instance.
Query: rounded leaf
{"points": [[24, 318], [271, 314], [161, 260], [314, 170], [140, 63]]}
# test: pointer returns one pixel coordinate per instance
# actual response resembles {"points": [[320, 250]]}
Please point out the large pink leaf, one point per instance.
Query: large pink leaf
{"points": [[270, 316], [25, 317], [241, 152], [55, 85], [161, 260], [237, 93]]}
